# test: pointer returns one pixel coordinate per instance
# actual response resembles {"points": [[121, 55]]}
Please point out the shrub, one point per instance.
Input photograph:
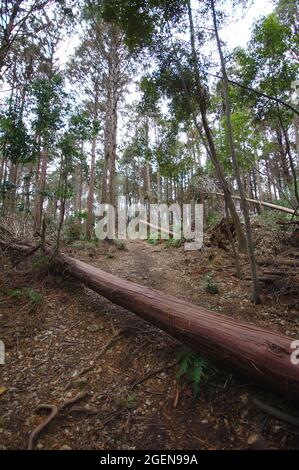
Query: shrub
{"points": [[209, 285]]}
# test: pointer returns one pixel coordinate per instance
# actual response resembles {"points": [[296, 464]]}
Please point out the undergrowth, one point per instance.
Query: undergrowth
{"points": [[210, 285], [26, 293], [195, 368]]}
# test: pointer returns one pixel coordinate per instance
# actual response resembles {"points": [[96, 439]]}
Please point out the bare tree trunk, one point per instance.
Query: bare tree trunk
{"points": [[27, 186], [12, 179], [268, 178], [41, 184], [62, 202], [292, 166], [159, 189], [113, 83], [140, 187], [148, 181], [296, 129], [283, 158], [90, 197], [259, 184], [250, 245], [80, 189]]}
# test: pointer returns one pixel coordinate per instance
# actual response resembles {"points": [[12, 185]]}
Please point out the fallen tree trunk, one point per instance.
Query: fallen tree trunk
{"points": [[287, 210], [161, 229], [261, 355], [293, 263]]}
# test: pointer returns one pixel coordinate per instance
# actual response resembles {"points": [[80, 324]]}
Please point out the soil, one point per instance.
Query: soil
{"points": [[53, 329]]}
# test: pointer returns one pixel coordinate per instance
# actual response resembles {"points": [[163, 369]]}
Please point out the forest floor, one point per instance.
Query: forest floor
{"points": [[53, 328]]}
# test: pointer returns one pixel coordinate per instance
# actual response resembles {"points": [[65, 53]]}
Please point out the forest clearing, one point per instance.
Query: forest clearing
{"points": [[149, 230]]}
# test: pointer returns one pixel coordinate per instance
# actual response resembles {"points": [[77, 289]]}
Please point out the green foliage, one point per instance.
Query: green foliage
{"points": [[210, 285], [246, 141], [267, 64], [26, 293], [73, 230], [34, 296], [140, 20], [213, 218], [47, 105], [15, 142], [15, 293], [129, 402], [270, 218], [195, 368], [174, 243], [153, 241]]}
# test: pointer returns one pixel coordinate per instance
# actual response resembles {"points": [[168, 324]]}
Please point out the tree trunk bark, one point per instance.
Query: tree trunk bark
{"points": [[41, 184], [90, 197], [27, 185], [296, 129], [259, 184], [113, 84]]}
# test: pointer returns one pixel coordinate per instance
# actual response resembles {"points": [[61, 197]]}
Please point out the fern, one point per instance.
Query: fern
{"points": [[15, 293], [34, 296], [195, 368]]}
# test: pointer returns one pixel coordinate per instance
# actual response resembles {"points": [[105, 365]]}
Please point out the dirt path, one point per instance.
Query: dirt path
{"points": [[154, 266], [48, 343]]}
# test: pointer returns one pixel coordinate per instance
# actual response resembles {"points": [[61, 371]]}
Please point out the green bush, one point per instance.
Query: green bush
{"points": [[209, 285], [73, 230]]}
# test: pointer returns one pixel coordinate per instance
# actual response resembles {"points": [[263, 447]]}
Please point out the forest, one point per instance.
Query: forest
{"points": [[149, 225]]}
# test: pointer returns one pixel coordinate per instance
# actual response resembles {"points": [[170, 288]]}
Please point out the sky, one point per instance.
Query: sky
{"points": [[237, 32]]}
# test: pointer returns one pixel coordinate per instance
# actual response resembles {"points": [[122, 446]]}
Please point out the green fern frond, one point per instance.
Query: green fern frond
{"points": [[195, 368]]}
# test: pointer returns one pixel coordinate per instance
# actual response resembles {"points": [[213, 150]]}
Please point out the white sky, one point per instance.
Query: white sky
{"points": [[237, 32]]}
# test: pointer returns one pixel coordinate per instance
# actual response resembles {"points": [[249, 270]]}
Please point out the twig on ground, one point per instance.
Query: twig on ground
{"points": [[281, 415], [117, 336], [37, 431], [150, 374], [55, 410], [177, 396]]}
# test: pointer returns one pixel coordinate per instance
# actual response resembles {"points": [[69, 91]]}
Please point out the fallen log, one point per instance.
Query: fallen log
{"points": [[261, 355], [281, 222], [161, 229], [287, 210], [293, 263]]}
